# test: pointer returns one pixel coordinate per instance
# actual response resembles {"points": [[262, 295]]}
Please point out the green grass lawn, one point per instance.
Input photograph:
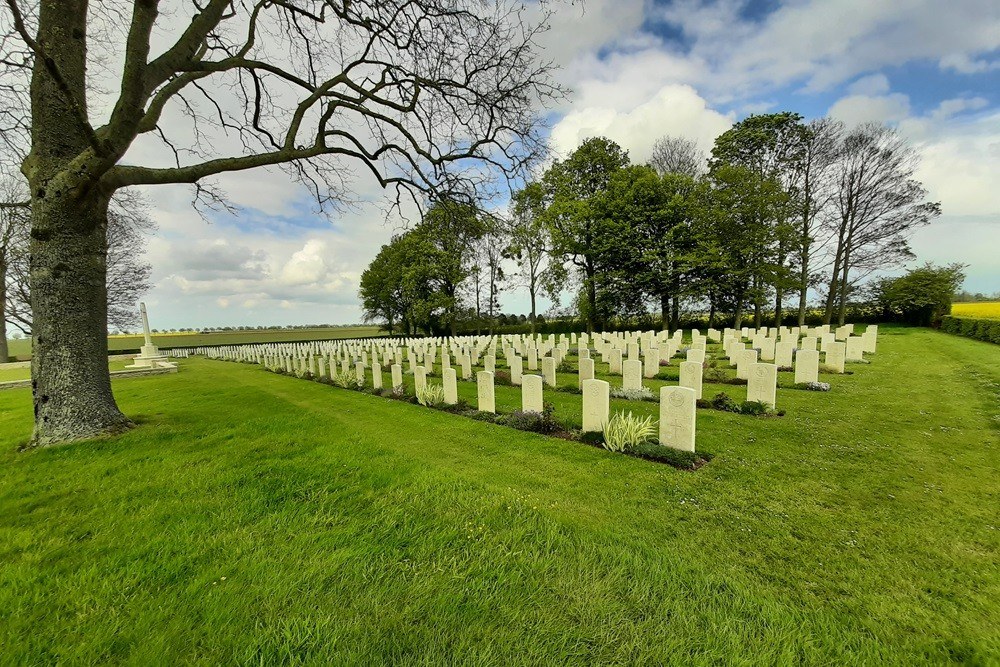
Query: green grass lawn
{"points": [[258, 518], [21, 348]]}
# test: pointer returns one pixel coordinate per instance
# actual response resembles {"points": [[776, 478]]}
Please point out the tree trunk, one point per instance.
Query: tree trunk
{"points": [[675, 313], [69, 364], [842, 312], [665, 311], [68, 249], [592, 301], [804, 289], [4, 351], [778, 294], [738, 315], [533, 315], [831, 297]]}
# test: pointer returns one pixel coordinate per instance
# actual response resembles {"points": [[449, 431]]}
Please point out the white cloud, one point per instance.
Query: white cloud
{"points": [[675, 110], [964, 64], [857, 109], [873, 84]]}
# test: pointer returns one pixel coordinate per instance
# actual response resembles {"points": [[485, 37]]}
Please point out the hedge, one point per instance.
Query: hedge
{"points": [[972, 327]]}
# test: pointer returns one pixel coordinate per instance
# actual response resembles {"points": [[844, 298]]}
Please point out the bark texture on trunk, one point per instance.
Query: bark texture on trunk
{"points": [[69, 364], [68, 266], [665, 311], [4, 350]]}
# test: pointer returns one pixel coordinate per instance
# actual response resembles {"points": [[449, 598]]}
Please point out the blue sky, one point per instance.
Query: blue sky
{"points": [[640, 70]]}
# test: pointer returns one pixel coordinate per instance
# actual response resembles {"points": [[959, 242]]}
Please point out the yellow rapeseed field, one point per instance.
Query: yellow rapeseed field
{"points": [[987, 309]]}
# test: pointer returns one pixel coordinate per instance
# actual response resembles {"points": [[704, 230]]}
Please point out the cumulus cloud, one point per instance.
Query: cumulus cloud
{"points": [[965, 64], [675, 110], [857, 109]]}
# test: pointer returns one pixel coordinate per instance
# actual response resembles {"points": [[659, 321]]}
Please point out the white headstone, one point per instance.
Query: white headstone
{"points": [[806, 366], [516, 369], [691, 372], [651, 362], [744, 360], [835, 356], [677, 418], [586, 370], [596, 404], [763, 383], [615, 361], [855, 348], [487, 401], [549, 371], [449, 379], [397, 375], [783, 353], [419, 379], [531, 393], [632, 374]]}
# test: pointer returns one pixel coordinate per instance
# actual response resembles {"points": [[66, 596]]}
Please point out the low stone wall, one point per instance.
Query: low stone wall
{"points": [[16, 384]]}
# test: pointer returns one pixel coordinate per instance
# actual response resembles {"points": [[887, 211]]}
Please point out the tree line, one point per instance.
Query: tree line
{"points": [[780, 207]]}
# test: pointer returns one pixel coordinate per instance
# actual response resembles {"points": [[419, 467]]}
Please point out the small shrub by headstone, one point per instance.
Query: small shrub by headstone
{"points": [[536, 422], [624, 431], [640, 394], [431, 395]]}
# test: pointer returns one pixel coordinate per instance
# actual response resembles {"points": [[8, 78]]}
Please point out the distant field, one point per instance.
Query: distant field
{"points": [[22, 348], [8, 374], [987, 309]]}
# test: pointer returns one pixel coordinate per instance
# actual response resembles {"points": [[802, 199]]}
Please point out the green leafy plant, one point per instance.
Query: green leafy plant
{"points": [[348, 380], [640, 394], [625, 431], [723, 401], [754, 408], [432, 395], [536, 422]]}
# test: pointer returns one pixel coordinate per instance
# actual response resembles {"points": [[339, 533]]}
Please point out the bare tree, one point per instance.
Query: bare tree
{"points": [[420, 93], [821, 147], [14, 222], [677, 155], [530, 246], [878, 204]]}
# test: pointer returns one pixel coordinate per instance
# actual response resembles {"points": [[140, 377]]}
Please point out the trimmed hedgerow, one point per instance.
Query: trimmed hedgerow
{"points": [[972, 327]]}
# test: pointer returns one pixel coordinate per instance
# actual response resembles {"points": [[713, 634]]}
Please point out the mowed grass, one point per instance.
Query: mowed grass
{"points": [[22, 347], [988, 309], [258, 518]]}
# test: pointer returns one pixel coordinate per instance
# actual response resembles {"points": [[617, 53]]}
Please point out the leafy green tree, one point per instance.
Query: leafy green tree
{"points": [[449, 233], [652, 252], [381, 288], [922, 296], [771, 147], [580, 235], [735, 235]]}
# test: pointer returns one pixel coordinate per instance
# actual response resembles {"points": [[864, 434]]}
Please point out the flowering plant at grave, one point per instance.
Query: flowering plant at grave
{"points": [[624, 431], [814, 386], [640, 394]]}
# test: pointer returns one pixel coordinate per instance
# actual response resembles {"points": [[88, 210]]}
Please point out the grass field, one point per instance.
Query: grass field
{"points": [[986, 309], [21, 348], [258, 518]]}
